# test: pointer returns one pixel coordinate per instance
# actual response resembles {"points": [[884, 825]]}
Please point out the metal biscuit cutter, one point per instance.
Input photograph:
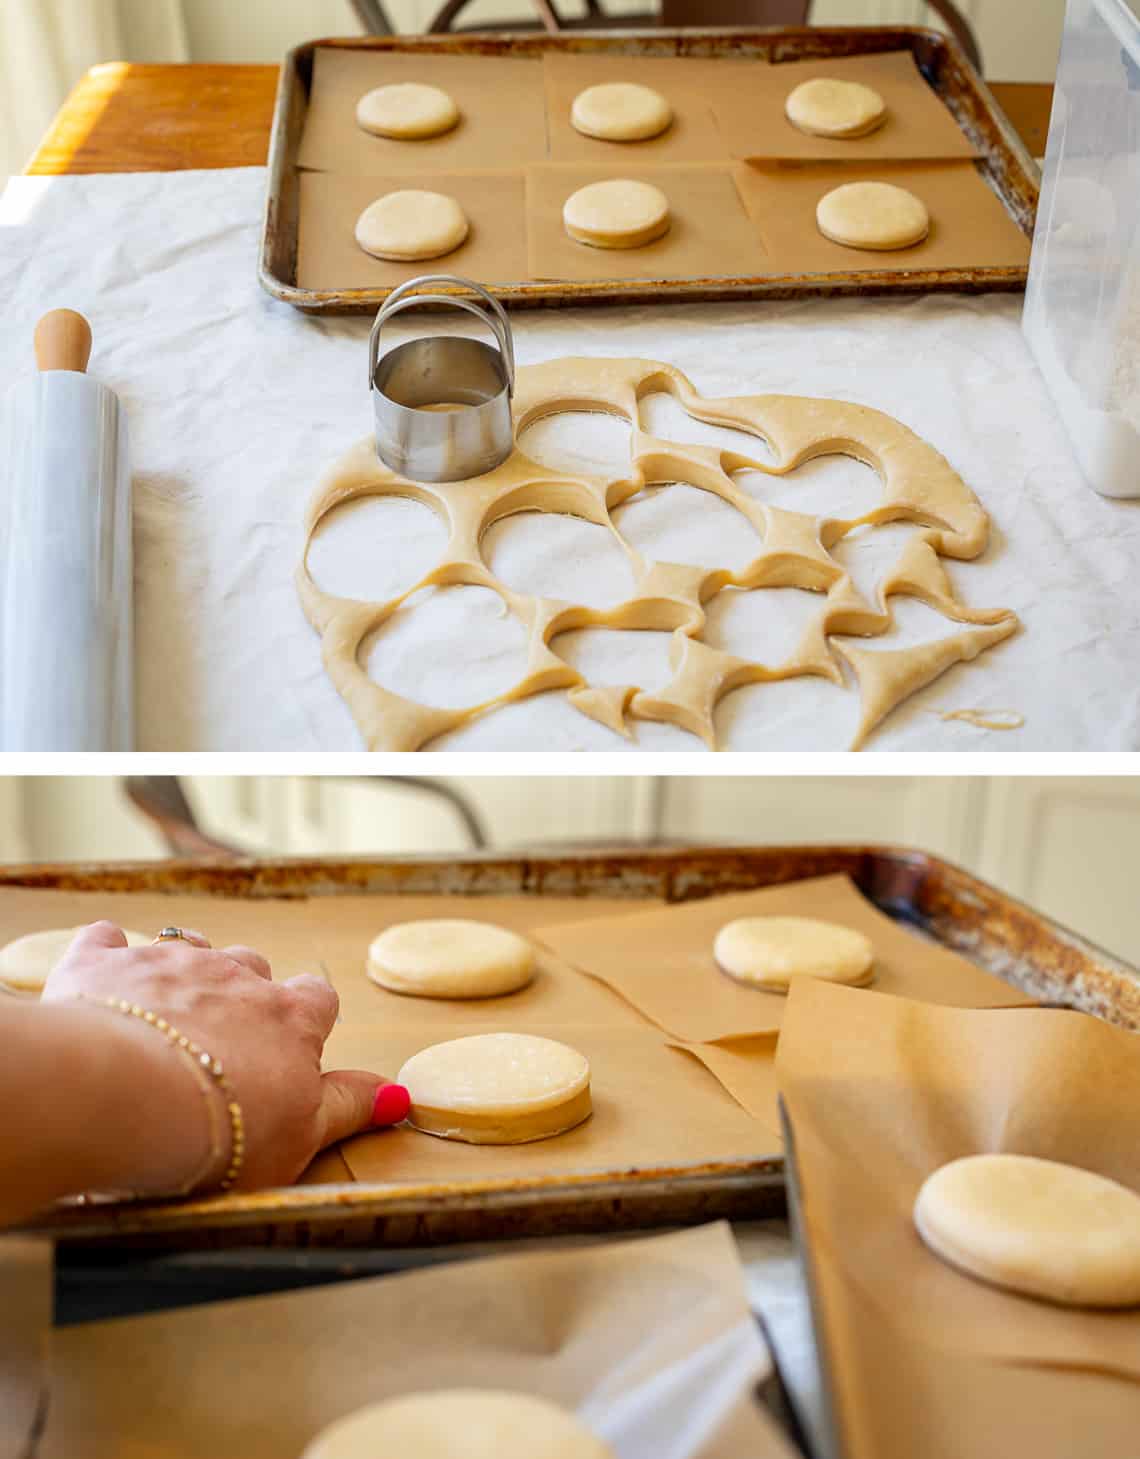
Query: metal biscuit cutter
{"points": [[443, 402]]}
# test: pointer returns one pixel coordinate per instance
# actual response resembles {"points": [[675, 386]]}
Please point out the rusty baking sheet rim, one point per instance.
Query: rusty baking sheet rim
{"points": [[799, 42]]}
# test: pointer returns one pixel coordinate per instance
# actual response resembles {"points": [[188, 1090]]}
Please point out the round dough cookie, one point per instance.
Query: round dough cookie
{"points": [[618, 213], [770, 952], [1035, 1226], [411, 224], [826, 108], [26, 962], [497, 1088], [874, 215], [408, 111], [459, 1423], [450, 957], [620, 111]]}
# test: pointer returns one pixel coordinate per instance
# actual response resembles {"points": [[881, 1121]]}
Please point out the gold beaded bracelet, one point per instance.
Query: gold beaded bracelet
{"points": [[202, 1061]]}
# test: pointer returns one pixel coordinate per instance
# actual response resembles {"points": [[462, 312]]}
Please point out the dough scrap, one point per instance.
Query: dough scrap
{"points": [[828, 108], [26, 961], [1038, 1227], [411, 224], [450, 957], [407, 111], [874, 215], [497, 1088], [616, 213], [772, 952], [459, 1423], [918, 486], [620, 111]]}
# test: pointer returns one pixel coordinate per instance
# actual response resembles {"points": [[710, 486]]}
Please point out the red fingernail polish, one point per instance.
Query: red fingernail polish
{"points": [[391, 1105]]}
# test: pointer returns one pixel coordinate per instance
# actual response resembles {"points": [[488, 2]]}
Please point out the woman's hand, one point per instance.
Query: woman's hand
{"points": [[268, 1037]]}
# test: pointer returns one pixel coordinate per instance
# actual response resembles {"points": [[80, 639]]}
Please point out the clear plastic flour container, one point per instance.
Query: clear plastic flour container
{"points": [[1082, 304]]}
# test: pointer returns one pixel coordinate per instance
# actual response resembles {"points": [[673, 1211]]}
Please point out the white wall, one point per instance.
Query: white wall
{"points": [[1067, 845]]}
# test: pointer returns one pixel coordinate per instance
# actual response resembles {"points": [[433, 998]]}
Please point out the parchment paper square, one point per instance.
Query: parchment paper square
{"points": [[501, 101], [710, 235], [662, 960]]}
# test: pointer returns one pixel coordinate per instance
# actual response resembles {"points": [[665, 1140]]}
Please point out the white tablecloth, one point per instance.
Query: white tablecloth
{"points": [[238, 404]]}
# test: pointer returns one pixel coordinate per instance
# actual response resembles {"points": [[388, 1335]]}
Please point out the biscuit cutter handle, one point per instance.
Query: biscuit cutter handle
{"points": [[63, 341], [490, 312]]}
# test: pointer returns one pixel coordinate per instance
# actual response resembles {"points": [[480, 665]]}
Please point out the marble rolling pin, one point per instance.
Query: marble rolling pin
{"points": [[65, 554]]}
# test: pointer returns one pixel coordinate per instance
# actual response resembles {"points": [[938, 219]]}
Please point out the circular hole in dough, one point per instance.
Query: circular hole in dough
{"points": [[618, 213], [450, 957], [497, 1088], [411, 224], [408, 111], [620, 111], [826, 108], [26, 962], [770, 952], [875, 215], [459, 1423], [1038, 1227]]}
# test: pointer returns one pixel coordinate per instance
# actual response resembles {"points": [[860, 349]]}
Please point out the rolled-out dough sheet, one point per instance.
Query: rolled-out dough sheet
{"points": [[501, 102], [748, 104], [329, 257], [710, 235], [693, 135], [662, 960], [969, 226]]}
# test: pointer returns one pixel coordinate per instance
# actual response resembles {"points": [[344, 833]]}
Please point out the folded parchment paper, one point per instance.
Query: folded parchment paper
{"points": [[655, 1107], [329, 257], [25, 1320], [969, 226], [748, 103], [650, 1341], [501, 101], [662, 960], [906, 1087], [688, 86], [709, 235], [898, 1399]]}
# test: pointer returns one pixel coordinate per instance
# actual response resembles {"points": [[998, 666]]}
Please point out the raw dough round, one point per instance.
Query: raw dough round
{"points": [[826, 108], [408, 111], [450, 957], [411, 224], [459, 1423], [620, 111], [618, 213], [1035, 1226], [874, 215], [770, 952], [26, 962], [497, 1088]]}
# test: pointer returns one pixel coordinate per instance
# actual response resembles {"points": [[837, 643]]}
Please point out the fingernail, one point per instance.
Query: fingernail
{"points": [[391, 1105]]}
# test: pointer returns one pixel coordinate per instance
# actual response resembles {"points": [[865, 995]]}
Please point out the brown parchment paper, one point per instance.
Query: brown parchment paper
{"points": [[906, 1087], [643, 1339], [26, 1292], [655, 1107], [662, 960], [329, 257], [710, 235], [502, 102], [969, 226], [688, 86], [747, 1069], [748, 104], [897, 1400]]}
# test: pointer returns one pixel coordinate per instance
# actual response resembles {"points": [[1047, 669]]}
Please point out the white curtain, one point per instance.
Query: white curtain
{"points": [[47, 45]]}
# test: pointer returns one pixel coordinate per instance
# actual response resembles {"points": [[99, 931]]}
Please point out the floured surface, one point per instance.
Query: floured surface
{"points": [[918, 486], [237, 404]]}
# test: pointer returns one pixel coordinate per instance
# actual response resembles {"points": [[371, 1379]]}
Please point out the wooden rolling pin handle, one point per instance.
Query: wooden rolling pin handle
{"points": [[63, 341]]}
